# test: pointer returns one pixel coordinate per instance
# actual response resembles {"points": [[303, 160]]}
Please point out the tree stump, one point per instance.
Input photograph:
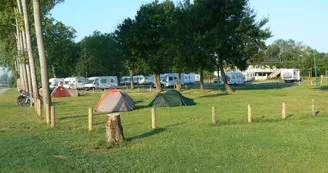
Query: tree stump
{"points": [[114, 129]]}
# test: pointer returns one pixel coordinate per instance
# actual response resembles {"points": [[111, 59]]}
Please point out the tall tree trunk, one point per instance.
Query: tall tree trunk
{"points": [[227, 86], [179, 86], [131, 79], [29, 81], [157, 81], [20, 85], [202, 79], [25, 83], [30, 52], [42, 57]]}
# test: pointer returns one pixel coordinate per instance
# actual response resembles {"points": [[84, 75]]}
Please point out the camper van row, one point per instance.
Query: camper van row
{"points": [[105, 82]]}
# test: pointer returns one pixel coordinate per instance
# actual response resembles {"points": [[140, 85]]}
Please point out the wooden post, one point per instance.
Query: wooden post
{"points": [[283, 110], [90, 119], [309, 74], [250, 113], [39, 107], [321, 79], [150, 88], [138, 89], [47, 113], [153, 118], [299, 83], [311, 80], [313, 108], [53, 116], [114, 129], [213, 115]]}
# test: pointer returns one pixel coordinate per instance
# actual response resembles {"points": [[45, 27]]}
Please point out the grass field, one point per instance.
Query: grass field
{"points": [[185, 141]]}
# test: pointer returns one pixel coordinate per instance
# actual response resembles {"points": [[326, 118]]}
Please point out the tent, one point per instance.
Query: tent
{"points": [[114, 101], [60, 91], [171, 98]]}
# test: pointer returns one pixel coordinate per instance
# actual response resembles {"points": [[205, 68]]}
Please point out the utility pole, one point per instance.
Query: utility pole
{"points": [[315, 70]]}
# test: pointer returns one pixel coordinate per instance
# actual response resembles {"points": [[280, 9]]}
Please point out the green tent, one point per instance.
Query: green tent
{"points": [[171, 98]]}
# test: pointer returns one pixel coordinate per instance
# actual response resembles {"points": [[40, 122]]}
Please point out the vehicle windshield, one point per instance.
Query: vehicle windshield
{"points": [[90, 81]]}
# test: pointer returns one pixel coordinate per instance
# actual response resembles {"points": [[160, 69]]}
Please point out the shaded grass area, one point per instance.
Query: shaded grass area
{"points": [[185, 141]]}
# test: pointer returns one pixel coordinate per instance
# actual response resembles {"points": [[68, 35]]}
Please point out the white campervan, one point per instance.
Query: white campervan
{"points": [[249, 76], [55, 82], [142, 79], [291, 75], [75, 82], [235, 78], [101, 82]]}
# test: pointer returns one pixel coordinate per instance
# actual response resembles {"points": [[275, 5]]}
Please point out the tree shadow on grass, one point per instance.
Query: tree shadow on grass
{"points": [[317, 113], [69, 117], [290, 115], [324, 88], [214, 95], [147, 134], [142, 106]]}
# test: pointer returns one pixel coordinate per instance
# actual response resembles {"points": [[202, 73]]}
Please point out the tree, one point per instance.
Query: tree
{"points": [[236, 35], [153, 36], [43, 61], [4, 78], [99, 55], [29, 51], [125, 37], [60, 48]]}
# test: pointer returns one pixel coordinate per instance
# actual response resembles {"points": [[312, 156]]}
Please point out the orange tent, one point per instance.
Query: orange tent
{"points": [[114, 101], [60, 92]]}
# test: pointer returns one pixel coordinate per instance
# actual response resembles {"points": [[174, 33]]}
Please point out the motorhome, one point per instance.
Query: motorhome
{"points": [[101, 82], [55, 82], [291, 75], [143, 80], [249, 76], [125, 80], [234, 78], [75, 82], [194, 77], [171, 79]]}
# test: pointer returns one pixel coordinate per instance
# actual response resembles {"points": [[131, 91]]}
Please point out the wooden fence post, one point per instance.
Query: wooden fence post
{"points": [[250, 113], [321, 79], [90, 119], [213, 115], [153, 118], [313, 108], [283, 110], [47, 113], [114, 129], [53, 116], [39, 107]]}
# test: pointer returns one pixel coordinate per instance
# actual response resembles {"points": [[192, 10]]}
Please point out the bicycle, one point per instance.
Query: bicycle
{"points": [[23, 98]]}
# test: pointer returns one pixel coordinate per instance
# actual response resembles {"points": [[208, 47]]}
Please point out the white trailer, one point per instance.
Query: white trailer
{"points": [[75, 82], [249, 76], [291, 75], [55, 82], [143, 80], [194, 77], [234, 78], [125, 80], [101, 82]]}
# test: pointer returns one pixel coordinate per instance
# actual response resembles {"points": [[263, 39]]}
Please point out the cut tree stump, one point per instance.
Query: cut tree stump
{"points": [[114, 129]]}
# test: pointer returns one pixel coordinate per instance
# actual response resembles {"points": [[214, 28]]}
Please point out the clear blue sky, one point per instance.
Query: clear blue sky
{"points": [[300, 20]]}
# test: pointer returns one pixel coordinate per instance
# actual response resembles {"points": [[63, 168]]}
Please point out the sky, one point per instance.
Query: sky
{"points": [[301, 20]]}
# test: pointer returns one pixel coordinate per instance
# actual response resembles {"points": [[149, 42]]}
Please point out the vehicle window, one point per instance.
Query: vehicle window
{"points": [[103, 81], [112, 80], [175, 78], [170, 78], [79, 81], [97, 81]]}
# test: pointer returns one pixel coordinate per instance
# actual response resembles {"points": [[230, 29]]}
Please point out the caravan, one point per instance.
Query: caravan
{"points": [[291, 75], [143, 80], [101, 82], [55, 82], [234, 78], [75, 82]]}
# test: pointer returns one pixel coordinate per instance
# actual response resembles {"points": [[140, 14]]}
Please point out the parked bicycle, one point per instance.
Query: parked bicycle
{"points": [[23, 98]]}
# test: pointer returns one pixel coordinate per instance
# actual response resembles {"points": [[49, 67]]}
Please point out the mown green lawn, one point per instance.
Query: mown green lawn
{"points": [[185, 141]]}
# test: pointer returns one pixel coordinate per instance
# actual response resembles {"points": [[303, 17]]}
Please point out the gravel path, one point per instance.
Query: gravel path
{"points": [[2, 90]]}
